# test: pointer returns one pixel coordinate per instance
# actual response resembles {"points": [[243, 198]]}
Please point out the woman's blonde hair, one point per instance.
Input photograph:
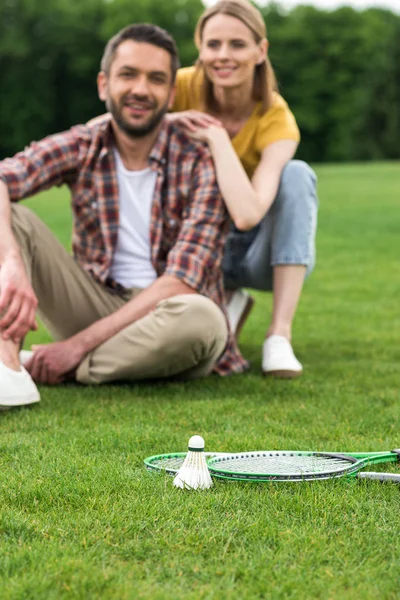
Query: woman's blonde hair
{"points": [[264, 77]]}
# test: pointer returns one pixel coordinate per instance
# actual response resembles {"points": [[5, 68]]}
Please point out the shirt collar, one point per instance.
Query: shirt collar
{"points": [[158, 152], [107, 137]]}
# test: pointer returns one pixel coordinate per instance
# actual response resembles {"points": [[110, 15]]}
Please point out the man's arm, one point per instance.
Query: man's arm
{"points": [[18, 301], [52, 161], [42, 165]]}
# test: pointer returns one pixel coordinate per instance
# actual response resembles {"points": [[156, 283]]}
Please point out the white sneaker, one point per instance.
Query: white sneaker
{"points": [[25, 356], [238, 310], [279, 359], [16, 388]]}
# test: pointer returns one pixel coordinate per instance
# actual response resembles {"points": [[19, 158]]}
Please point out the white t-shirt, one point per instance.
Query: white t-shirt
{"points": [[131, 265]]}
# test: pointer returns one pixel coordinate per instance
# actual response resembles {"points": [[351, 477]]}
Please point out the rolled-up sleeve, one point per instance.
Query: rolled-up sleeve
{"points": [[52, 161], [198, 251]]}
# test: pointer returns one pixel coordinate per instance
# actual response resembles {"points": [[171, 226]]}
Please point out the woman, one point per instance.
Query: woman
{"points": [[230, 100]]}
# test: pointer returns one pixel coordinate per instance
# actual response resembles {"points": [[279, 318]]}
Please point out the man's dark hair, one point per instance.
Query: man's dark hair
{"points": [[142, 32]]}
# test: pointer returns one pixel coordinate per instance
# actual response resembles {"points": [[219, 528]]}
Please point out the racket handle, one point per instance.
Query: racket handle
{"points": [[394, 477]]}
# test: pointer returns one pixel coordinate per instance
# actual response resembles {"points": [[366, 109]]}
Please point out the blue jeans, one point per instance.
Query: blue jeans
{"points": [[285, 236]]}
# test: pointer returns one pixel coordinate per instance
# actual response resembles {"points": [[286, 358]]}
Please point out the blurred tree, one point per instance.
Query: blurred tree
{"points": [[49, 56], [178, 17], [339, 71], [375, 133]]}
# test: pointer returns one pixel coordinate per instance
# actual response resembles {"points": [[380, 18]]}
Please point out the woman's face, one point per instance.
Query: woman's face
{"points": [[229, 52]]}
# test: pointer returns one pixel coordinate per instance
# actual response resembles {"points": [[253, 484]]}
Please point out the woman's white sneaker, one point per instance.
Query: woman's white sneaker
{"points": [[17, 388], [238, 309], [278, 358]]}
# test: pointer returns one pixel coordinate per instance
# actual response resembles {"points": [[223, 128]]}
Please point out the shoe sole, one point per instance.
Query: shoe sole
{"points": [[12, 403], [281, 374], [243, 318]]}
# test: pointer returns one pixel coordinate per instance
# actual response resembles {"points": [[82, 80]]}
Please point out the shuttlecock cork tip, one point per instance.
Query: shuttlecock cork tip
{"points": [[196, 443]]}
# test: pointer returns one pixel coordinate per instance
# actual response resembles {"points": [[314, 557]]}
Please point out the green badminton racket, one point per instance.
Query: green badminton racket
{"points": [[287, 465]]}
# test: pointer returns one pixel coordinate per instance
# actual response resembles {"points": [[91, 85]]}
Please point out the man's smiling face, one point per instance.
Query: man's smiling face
{"points": [[138, 90]]}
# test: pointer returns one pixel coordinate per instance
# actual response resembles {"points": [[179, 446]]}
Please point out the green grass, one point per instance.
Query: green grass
{"points": [[81, 518]]}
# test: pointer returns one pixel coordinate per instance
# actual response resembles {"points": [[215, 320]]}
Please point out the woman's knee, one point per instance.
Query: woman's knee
{"points": [[297, 190], [298, 171]]}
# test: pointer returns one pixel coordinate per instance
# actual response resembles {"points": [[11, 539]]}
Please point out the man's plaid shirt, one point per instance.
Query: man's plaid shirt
{"points": [[188, 218]]}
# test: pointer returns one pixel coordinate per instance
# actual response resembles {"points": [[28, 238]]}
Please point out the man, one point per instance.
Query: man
{"points": [[143, 298]]}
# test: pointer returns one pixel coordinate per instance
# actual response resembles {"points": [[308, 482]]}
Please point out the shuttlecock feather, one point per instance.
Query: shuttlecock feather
{"points": [[194, 473]]}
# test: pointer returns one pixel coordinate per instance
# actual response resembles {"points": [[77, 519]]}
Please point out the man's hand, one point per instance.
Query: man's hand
{"points": [[52, 363], [18, 301]]}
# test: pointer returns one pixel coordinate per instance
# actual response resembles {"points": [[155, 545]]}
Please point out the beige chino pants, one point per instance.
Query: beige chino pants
{"points": [[184, 336]]}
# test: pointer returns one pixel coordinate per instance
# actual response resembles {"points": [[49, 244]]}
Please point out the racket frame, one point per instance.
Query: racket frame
{"points": [[359, 461]]}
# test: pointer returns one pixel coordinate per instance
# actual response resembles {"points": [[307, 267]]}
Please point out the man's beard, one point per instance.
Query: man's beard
{"points": [[136, 131]]}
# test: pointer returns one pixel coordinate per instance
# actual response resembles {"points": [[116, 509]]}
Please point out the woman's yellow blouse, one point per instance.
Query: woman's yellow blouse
{"points": [[259, 131]]}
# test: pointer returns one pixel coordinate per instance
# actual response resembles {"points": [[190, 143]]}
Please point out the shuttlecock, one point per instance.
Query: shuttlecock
{"points": [[194, 473]]}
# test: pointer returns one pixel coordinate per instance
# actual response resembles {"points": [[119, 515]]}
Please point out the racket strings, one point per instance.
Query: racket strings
{"points": [[279, 464], [168, 463]]}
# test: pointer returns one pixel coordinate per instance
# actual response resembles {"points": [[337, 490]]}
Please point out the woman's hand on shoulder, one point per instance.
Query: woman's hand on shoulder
{"points": [[213, 135], [193, 120]]}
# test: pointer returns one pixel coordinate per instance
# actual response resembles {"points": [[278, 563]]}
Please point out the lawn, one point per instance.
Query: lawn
{"points": [[81, 518]]}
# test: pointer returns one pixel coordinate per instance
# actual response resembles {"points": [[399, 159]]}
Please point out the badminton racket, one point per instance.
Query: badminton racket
{"points": [[271, 465]]}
